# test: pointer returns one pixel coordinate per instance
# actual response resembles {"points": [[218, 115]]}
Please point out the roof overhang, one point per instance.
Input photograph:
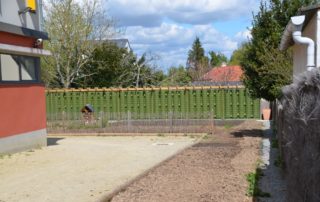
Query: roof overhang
{"points": [[5, 27], [296, 23], [287, 39], [20, 50]]}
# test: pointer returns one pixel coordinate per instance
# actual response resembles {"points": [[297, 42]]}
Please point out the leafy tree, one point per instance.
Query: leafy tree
{"points": [[111, 66], [237, 55], [216, 59], [106, 64], [197, 63], [72, 27], [266, 68], [142, 73], [177, 76]]}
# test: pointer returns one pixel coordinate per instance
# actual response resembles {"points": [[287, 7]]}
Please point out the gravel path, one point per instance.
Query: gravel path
{"points": [[273, 181]]}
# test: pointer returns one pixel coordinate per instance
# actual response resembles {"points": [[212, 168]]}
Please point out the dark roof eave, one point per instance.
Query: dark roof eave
{"points": [[308, 9], [5, 27], [286, 39]]}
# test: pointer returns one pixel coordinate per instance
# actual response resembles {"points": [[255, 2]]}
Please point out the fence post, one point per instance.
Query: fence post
{"points": [[212, 120], [101, 119], [63, 121], [129, 124], [171, 120]]}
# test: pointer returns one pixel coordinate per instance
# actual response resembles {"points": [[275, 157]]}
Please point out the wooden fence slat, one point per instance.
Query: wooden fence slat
{"points": [[232, 102]]}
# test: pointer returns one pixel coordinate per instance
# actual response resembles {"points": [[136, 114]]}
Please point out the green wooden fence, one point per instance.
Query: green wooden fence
{"points": [[183, 102]]}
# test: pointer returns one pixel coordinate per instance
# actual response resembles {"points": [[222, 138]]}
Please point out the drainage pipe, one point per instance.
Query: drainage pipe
{"points": [[297, 22]]}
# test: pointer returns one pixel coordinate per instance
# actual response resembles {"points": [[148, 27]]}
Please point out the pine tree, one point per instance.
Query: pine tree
{"points": [[216, 59], [197, 63], [266, 68]]}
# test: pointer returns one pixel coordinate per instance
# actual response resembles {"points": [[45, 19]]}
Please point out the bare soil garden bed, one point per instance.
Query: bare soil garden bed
{"points": [[213, 170]]}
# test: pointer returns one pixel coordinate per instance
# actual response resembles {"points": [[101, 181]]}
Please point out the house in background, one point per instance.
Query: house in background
{"points": [[121, 43], [303, 34], [22, 95], [222, 76]]}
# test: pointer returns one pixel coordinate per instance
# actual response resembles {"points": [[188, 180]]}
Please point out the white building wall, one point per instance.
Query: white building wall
{"points": [[317, 42], [299, 59]]}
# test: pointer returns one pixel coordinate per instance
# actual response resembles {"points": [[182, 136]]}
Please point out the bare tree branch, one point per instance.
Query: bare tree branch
{"points": [[72, 28]]}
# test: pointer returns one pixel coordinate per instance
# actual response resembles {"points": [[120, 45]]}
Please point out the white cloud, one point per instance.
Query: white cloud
{"points": [[244, 35], [168, 27], [172, 42], [153, 12]]}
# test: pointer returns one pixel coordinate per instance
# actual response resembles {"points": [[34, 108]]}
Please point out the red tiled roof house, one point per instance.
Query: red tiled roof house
{"points": [[223, 76]]}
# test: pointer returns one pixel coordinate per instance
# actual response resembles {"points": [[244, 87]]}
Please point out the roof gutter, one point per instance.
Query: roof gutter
{"points": [[294, 28], [20, 50]]}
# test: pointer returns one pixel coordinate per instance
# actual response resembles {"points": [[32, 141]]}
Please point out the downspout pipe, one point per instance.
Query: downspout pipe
{"points": [[297, 22]]}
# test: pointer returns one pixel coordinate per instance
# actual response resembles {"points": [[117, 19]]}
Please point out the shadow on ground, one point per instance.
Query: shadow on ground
{"points": [[248, 133], [52, 141]]}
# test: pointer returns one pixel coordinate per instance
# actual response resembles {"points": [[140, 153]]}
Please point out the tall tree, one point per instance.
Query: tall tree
{"points": [[216, 59], [143, 72], [106, 65], [197, 63], [72, 28], [196, 54], [111, 66], [237, 55], [266, 68]]}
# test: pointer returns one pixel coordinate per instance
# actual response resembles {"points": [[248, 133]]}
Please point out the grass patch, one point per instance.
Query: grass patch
{"points": [[205, 137], [2, 156], [274, 128], [227, 126], [275, 143], [278, 162], [253, 180], [160, 135]]}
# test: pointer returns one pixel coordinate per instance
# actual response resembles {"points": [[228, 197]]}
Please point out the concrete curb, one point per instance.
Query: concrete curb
{"points": [[266, 144], [124, 134], [272, 182], [123, 187]]}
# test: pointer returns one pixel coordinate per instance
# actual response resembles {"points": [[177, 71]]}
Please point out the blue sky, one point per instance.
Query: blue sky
{"points": [[167, 28]]}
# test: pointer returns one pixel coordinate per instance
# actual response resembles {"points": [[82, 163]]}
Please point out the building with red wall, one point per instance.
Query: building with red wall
{"points": [[22, 95]]}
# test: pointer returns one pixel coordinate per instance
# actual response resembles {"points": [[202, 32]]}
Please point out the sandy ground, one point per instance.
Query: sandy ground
{"points": [[212, 170], [81, 168]]}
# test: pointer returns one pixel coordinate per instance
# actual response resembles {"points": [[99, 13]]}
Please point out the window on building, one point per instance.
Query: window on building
{"points": [[16, 68]]}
